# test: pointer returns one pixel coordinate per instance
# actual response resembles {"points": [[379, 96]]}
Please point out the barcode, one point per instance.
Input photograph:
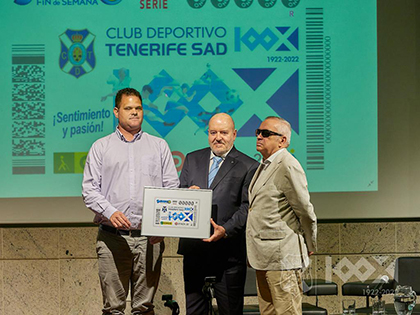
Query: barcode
{"points": [[28, 109], [315, 81], [157, 217]]}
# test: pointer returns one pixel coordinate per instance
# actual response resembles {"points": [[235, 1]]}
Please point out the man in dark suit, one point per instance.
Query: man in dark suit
{"points": [[228, 173]]}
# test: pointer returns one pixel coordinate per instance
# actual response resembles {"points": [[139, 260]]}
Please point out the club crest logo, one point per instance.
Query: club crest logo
{"points": [[77, 56]]}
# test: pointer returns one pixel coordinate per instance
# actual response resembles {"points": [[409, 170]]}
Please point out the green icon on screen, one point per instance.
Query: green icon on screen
{"points": [[243, 4], [63, 163], [196, 4], [220, 4], [267, 4], [290, 3], [69, 162]]}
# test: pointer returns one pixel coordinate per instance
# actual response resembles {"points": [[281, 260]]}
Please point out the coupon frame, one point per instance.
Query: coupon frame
{"points": [[155, 198]]}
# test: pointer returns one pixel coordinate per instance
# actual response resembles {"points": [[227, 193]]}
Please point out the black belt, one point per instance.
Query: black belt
{"points": [[110, 229]]}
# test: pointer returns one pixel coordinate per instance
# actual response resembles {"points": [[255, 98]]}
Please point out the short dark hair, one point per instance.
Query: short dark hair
{"points": [[126, 92]]}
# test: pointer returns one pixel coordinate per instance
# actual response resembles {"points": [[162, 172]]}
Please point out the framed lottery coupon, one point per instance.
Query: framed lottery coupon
{"points": [[176, 212]]}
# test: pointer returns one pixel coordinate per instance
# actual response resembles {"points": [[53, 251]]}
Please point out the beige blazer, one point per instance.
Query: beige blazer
{"points": [[281, 226]]}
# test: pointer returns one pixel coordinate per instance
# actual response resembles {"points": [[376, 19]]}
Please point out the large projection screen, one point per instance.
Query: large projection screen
{"points": [[313, 63]]}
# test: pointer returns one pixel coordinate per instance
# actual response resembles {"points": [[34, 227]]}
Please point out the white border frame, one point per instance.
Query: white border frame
{"points": [[203, 195]]}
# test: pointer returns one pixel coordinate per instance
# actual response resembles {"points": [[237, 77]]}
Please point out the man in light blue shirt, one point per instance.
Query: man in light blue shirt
{"points": [[117, 168]]}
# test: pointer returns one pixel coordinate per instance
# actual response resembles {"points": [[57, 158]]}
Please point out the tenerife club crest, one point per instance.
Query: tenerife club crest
{"points": [[77, 56]]}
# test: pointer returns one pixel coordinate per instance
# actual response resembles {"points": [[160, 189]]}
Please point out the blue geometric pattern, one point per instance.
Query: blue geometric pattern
{"points": [[285, 101], [283, 29], [248, 129], [283, 47], [294, 38], [182, 100], [254, 77]]}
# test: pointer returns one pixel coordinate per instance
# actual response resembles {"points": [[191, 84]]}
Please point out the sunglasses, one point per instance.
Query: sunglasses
{"points": [[266, 133]]}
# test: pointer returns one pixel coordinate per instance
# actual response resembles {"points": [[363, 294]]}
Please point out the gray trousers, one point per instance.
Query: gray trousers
{"points": [[128, 262]]}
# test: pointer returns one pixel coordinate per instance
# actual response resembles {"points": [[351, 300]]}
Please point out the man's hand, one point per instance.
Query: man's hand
{"points": [[155, 239], [219, 232], [193, 187], [310, 253], [119, 220]]}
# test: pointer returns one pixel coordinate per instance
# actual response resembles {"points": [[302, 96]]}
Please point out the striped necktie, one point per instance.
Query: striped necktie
{"points": [[214, 168]]}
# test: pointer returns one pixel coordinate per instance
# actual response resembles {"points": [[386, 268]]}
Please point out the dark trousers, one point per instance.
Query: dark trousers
{"points": [[228, 289]]}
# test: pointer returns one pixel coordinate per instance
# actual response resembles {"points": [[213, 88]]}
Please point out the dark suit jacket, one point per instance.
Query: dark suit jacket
{"points": [[230, 201]]}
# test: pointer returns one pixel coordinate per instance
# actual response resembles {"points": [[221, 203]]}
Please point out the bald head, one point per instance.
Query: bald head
{"points": [[222, 118], [222, 133]]}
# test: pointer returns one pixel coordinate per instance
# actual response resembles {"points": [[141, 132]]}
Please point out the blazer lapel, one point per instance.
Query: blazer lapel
{"points": [[260, 181], [201, 174], [254, 178]]}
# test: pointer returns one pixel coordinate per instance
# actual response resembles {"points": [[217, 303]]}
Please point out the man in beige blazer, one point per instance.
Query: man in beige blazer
{"points": [[281, 226]]}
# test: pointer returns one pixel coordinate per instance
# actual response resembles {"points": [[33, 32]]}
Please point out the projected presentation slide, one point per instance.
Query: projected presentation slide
{"points": [[311, 62]]}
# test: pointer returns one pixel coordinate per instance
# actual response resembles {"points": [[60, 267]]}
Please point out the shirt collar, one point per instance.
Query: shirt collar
{"points": [[212, 155], [271, 158], [122, 138]]}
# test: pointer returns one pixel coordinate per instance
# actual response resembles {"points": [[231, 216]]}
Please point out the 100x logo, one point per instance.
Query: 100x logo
{"points": [[283, 38], [243, 4]]}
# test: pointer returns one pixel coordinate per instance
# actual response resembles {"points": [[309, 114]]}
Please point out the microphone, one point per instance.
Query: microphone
{"points": [[376, 290]]}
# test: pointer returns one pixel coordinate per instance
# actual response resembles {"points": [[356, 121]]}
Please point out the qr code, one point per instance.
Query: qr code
{"points": [[28, 92], [28, 129], [28, 147], [28, 110], [28, 73]]}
